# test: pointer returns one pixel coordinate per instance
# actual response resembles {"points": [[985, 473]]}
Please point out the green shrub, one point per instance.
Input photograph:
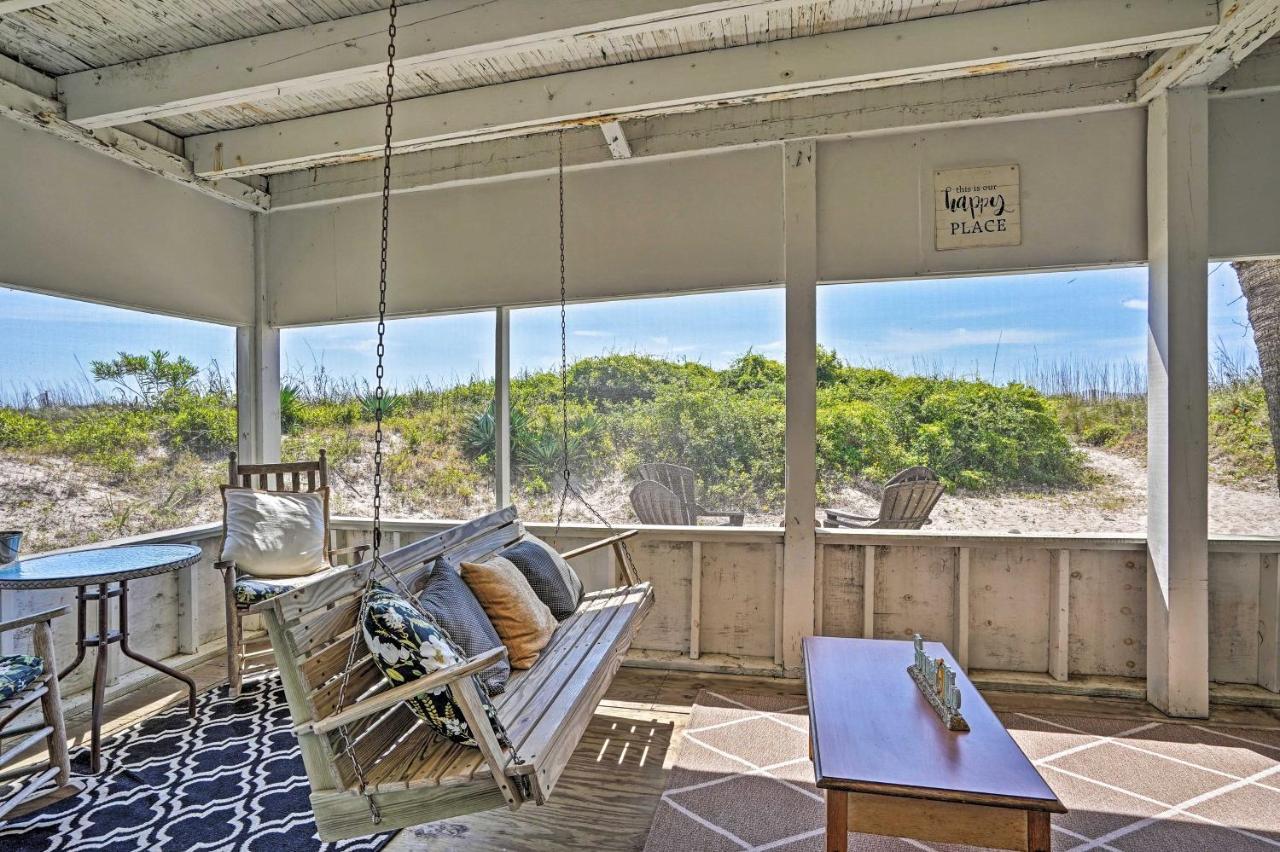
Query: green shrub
{"points": [[856, 439], [113, 438], [202, 424], [21, 431], [1100, 434], [1239, 431]]}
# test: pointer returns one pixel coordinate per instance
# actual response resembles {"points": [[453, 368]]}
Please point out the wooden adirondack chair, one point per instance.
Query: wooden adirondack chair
{"points": [[655, 503], [908, 499], [680, 481], [413, 776]]}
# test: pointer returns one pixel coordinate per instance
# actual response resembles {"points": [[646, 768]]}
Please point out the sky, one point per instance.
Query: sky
{"points": [[997, 328]]}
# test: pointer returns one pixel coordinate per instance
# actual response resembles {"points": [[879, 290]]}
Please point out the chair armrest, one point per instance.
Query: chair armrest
{"points": [[224, 564], [596, 545], [33, 618], [389, 698], [837, 515], [735, 518]]}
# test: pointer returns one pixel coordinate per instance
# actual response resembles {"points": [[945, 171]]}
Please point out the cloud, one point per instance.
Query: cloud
{"points": [[899, 341], [590, 332], [1135, 304]]}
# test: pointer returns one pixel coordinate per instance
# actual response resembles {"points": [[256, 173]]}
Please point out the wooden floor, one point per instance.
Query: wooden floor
{"points": [[606, 800]]}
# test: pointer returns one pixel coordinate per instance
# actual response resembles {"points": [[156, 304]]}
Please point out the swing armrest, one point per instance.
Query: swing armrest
{"points": [[390, 698], [596, 545]]}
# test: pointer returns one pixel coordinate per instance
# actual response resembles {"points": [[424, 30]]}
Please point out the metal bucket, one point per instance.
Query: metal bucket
{"points": [[10, 545]]}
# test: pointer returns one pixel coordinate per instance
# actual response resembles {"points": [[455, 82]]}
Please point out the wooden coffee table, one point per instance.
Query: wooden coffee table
{"points": [[889, 766]]}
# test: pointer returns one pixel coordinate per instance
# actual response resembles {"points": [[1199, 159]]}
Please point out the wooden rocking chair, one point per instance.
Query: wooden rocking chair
{"points": [[287, 478], [411, 775], [908, 499]]}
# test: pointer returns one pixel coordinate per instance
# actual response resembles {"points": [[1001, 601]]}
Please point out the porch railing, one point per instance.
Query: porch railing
{"points": [[1063, 613]]}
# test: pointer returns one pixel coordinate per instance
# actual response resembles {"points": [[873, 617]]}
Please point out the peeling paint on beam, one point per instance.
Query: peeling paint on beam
{"points": [[44, 114], [1245, 26]]}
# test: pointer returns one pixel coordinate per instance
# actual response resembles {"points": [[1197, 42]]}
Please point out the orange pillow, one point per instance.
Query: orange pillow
{"points": [[524, 623]]}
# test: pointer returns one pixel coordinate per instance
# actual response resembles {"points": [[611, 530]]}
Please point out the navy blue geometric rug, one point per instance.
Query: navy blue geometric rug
{"points": [[229, 781]]}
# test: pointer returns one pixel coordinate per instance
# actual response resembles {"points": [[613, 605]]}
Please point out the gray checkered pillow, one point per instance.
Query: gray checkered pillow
{"points": [[553, 580], [449, 600]]}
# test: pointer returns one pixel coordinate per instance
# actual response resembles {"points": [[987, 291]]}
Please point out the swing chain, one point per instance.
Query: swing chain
{"points": [[379, 395]]}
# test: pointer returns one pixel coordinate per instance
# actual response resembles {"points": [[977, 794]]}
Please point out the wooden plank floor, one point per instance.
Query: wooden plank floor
{"points": [[606, 799]]}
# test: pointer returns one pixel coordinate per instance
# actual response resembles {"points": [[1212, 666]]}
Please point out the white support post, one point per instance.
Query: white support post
{"points": [[258, 369], [1269, 623], [1059, 614], [961, 639], [502, 407], [819, 582], [1177, 403], [869, 591], [695, 601], [779, 600], [189, 606], [800, 250]]}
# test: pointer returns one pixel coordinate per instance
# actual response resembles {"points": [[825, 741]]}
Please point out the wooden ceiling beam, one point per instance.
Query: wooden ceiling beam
{"points": [[354, 50], [45, 114], [1245, 25], [1047, 33], [8, 7]]}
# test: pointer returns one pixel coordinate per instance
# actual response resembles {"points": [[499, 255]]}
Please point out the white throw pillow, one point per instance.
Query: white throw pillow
{"points": [[270, 534]]}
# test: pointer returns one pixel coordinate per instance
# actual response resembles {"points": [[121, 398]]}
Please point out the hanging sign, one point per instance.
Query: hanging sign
{"points": [[977, 207]]}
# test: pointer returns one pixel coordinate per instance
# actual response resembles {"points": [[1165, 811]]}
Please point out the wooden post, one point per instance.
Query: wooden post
{"points": [[502, 408], [189, 606], [779, 603], [800, 251], [961, 592], [1177, 403], [869, 591], [695, 601], [258, 369], [1059, 614], [1269, 623]]}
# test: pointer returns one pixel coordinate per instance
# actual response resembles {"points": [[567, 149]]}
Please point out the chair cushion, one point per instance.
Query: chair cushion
{"points": [[251, 590], [407, 646], [454, 607], [271, 534], [17, 672], [523, 622], [552, 578]]}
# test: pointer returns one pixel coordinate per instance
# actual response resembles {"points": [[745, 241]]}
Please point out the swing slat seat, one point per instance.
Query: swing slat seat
{"points": [[411, 774]]}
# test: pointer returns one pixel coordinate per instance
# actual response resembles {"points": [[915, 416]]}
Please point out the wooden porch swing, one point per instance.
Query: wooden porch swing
{"points": [[374, 766]]}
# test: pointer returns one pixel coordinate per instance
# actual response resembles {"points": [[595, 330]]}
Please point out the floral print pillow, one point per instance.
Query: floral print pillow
{"points": [[407, 645]]}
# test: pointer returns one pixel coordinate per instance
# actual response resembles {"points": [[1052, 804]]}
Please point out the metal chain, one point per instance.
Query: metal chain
{"points": [[564, 342], [379, 394]]}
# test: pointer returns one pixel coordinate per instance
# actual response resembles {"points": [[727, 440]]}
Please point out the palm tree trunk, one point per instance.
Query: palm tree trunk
{"points": [[1260, 283]]}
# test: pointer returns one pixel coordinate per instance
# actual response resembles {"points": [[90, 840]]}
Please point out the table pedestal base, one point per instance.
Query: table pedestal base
{"points": [[102, 642]]}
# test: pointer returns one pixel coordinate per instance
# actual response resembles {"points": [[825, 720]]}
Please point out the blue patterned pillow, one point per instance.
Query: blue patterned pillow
{"points": [[16, 673], [407, 646], [553, 580], [453, 605]]}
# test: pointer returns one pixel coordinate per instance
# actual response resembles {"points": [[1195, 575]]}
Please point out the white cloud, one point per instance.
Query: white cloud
{"points": [[900, 341], [590, 332], [1135, 304]]}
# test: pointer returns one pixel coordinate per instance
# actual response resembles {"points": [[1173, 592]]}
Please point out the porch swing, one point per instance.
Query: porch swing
{"points": [[374, 766]]}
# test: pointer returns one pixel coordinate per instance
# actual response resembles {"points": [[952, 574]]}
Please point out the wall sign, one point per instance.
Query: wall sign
{"points": [[977, 207]]}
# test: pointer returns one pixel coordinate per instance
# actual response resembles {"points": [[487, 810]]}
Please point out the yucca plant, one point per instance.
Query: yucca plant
{"points": [[392, 404]]}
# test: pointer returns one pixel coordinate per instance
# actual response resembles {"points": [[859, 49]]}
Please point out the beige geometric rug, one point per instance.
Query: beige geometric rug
{"points": [[742, 781]]}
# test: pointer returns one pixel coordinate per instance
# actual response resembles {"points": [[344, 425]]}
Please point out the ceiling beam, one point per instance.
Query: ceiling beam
{"points": [[46, 115], [616, 140], [8, 7], [354, 50], [1050, 32], [1245, 25], [918, 107]]}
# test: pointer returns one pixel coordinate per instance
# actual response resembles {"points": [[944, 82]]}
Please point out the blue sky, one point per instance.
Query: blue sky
{"points": [[948, 325]]}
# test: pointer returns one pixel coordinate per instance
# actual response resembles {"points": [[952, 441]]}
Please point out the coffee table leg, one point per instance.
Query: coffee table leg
{"points": [[1038, 832], [147, 661], [837, 821]]}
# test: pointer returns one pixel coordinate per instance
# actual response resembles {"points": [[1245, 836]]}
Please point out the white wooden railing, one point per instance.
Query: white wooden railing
{"points": [[1045, 612]]}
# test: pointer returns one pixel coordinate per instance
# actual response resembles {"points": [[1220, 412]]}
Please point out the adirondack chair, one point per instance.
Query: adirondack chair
{"points": [[908, 499], [680, 481], [655, 503], [412, 776]]}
